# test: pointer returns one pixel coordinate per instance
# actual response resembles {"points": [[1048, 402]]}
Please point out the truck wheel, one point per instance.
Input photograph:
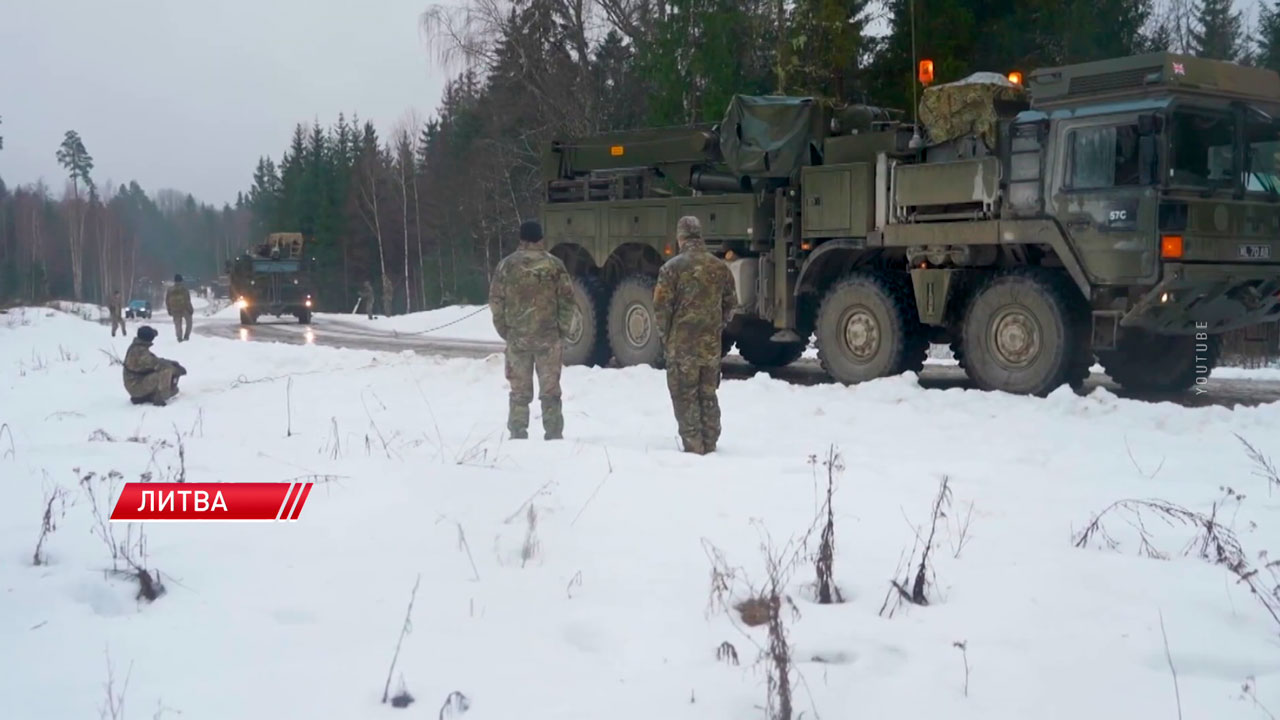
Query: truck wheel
{"points": [[757, 349], [246, 318], [304, 317], [633, 333], [587, 344], [868, 328], [1144, 362], [1024, 334]]}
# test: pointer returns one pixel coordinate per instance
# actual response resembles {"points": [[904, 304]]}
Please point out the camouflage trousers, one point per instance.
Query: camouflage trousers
{"points": [[118, 321], [693, 388], [178, 322], [520, 368], [156, 387]]}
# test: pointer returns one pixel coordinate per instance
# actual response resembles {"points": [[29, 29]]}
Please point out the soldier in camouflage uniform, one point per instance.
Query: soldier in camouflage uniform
{"points": [[115, 308], [366, 298], [147, 378], [178, 302], [532, 304], [388, 294], [692, 301]]}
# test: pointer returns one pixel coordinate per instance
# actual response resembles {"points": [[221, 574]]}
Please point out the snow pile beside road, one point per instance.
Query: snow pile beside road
{"points": [[456, 322], [572, 579]]}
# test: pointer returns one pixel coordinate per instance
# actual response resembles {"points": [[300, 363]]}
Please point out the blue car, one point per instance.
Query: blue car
{"points": [[138, 309]]}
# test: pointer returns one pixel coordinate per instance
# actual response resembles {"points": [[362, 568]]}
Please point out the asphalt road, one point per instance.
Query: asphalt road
{"points": [[337, 333]]}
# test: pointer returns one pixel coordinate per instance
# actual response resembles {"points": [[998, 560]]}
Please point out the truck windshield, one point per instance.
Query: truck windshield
{"points": [[1200, 145], [1263, 137]]}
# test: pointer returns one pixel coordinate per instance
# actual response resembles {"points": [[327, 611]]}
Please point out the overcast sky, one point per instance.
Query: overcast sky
{"points": [[187, 94]]}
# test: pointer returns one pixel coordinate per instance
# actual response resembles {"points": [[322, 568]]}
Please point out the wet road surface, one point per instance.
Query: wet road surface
{"points": [[337, 333]]}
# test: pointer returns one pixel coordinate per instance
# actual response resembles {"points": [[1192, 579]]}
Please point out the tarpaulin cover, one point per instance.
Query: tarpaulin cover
{"points": [[767, 136], [966, 107]]}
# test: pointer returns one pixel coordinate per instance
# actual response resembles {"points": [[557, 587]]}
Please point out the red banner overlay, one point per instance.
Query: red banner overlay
{"points": [[269, 502]]}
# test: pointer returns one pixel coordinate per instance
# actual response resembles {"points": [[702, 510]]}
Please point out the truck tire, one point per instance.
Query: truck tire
{"points": [[1025, 332], [304, 317], [1144, 362], [867, 328], [633, 332], [247, 318], [587, 343], [757, 349]]}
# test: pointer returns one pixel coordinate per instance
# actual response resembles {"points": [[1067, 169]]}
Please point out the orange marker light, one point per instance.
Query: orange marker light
{"points": [[667, 250], [1171, 247], [1015, 77], [616, 150], [926, 72]]}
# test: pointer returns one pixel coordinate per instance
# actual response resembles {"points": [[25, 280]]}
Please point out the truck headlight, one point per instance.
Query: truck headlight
{"points": [[308, 302], [242, 303]]}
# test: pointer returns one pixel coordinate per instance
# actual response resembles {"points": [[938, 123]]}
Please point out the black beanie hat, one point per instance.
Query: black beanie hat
{"points": [[530, 231], [177, 278], [147, 333]]}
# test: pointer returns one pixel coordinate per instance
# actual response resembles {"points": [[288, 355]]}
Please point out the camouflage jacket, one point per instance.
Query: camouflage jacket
{"points": [[139, 364], [531, 298], [115, 308], [692, 302], [366, 291], [178, 300]]}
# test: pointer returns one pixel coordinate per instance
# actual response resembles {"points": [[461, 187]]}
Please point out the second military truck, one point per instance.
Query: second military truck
{"points": [[1126, 210], [273, 278]]}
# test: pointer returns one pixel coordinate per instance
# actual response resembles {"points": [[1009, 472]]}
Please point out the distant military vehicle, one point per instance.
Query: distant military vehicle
{"points": [[273, 278], [1126, 209]]}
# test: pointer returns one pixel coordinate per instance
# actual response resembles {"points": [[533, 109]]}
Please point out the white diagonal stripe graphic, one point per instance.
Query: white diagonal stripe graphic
{"points": [[283, 503]]}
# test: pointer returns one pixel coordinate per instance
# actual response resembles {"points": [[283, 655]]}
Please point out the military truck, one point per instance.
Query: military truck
{"points": [[273, 278], [1126, 210]]}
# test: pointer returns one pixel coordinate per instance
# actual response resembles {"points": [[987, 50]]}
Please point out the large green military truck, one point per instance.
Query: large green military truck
{"points": [[273, 278], [1126, 210]]}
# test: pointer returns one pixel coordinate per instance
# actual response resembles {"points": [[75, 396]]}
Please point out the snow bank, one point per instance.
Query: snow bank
{"points": [[457, 322], [571, 579]]}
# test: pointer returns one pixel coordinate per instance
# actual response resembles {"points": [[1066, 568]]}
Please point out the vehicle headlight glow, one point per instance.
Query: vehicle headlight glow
{"points": [[242, 303]]}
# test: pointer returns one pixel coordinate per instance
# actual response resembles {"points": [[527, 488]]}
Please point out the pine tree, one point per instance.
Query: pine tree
{"points": [[1268, 35], [1220, 35], [78, 163]]}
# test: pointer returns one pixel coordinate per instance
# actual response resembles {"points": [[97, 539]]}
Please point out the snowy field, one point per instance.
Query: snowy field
{"points": [[575, 579]]}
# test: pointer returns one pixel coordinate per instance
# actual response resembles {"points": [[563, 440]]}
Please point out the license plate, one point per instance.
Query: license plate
{"points": [[1255, 252]]}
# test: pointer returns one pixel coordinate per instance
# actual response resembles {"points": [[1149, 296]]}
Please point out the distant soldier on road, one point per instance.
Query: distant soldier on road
{"points": [[366, 298], [178, 302], [147, 378], [115, 308], [692, 301], [388, 294], [532, 304]]}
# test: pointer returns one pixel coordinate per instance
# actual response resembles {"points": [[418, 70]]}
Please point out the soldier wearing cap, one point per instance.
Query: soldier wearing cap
{"points": [[692, 302], [531, 299], [147, 378]]}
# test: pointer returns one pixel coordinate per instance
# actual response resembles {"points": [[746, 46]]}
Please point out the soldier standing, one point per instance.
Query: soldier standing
{"points": [[388, 294], [692, 301], [366, 298], [115, 307], [532, 304], [147, 378], [178, 302]]}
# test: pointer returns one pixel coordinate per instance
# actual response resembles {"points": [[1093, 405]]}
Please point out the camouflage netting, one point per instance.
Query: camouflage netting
{"points": [[966, 107]]}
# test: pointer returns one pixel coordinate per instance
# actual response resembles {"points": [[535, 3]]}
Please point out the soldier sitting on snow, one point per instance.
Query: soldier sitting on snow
{"points": [[147, 378]]}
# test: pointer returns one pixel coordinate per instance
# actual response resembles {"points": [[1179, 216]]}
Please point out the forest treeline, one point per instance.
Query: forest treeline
{"points": [[432, 204]]}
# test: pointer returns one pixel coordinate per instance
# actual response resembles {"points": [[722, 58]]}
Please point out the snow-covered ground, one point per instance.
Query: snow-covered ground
{"points": [[574, 579]]}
